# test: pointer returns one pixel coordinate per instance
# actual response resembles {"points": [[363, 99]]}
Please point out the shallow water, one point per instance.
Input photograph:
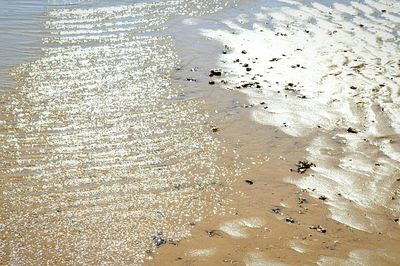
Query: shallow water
{"points": [[100, 149]]}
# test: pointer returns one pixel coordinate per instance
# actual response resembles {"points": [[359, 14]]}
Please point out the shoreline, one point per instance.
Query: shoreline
{"points": [[118, 147]]}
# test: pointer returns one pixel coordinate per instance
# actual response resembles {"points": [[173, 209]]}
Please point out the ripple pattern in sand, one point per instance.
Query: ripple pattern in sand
{"points": [[320, 70]]}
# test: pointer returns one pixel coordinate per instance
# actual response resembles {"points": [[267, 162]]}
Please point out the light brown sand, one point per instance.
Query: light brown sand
{"points": [[253, 234]]}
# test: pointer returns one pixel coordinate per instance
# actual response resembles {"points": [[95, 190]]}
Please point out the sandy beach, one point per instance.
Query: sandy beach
{"points": [[201, 133], [326, 76]]}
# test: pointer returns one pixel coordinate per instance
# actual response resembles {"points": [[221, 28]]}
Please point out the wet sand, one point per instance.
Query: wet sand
{"points": [[205, 168], [322, 106]]}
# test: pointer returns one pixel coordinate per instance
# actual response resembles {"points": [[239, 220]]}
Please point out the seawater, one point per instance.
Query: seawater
{"points": [[100, 150]]}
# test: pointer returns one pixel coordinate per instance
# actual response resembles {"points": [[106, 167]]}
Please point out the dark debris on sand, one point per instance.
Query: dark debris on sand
{"points": [[158, 240], [302, 166]]}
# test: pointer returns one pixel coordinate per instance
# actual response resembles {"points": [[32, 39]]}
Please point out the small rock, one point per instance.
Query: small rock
{"points": [[302, 200], [352, 130], [212, 233], [353, 87], [211, 82], [244, 52], [248, 69], [322, 198], [318, 228], [214, 72], [159, 240], [215, 129], [276, 210], [249, 182], [290, 220]]}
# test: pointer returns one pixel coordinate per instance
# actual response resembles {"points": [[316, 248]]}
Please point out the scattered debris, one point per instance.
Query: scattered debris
{"points": [[177, 186], [159, 240], [353, 87], [276, 210], [302, 166], [248, 69], [318, 228], [191, 79], [302, 200], [212, 233], [211, 82], [244, 52], [322, 198], [194, 69], [214, 72], [248, 181], [290, 220], [352, 130], [215, 129]]}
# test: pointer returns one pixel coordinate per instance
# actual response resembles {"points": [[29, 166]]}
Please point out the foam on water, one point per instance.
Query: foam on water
{"points": [[321, 69]]}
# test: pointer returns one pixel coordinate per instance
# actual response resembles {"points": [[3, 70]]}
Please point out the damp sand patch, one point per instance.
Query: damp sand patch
{"points": [[331, 72]]}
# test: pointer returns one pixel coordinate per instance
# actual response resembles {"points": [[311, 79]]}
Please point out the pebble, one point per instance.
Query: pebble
{"points": [[352, 130], [249, 182], [290, 220], [322, 198], [214, 72], [318, 228], [159, 240], [212, 233], [302, 200], [276, 210]]}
